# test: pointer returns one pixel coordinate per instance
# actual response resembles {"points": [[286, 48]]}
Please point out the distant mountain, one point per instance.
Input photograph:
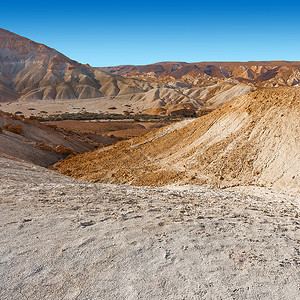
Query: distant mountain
{"points": [[256, 73], [34, 71]]}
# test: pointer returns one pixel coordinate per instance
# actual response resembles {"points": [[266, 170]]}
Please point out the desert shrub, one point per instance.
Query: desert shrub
{"points": [[84, 115], [126, 113]]}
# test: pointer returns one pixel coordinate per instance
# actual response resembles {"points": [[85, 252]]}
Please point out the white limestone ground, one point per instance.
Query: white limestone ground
{"points": [[68, 239]]}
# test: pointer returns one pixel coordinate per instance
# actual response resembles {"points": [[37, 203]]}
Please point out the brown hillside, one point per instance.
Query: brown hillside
{"points": [[251, 140], [29, 140], [31, 70], [256, 73]]}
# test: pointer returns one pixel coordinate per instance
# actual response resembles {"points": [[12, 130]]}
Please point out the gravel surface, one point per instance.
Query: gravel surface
{"points": [[63, 238]]}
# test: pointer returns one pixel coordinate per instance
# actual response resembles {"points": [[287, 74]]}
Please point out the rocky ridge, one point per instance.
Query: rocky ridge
{"points": [[30, 70], [254, 73]]}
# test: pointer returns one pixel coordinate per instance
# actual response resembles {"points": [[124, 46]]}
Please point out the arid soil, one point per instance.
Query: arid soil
{"points": [[251, 140], [205, 208], [120, 130], [32, 141], [48, 142], [63, 238], [165, 96]]}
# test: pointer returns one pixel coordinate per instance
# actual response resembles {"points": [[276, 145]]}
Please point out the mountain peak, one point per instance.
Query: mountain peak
{"points": [[20, 44]]}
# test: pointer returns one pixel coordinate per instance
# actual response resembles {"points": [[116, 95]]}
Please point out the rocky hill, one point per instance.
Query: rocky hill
{"points": [[250, 140], [34, 71], [255, 73]]}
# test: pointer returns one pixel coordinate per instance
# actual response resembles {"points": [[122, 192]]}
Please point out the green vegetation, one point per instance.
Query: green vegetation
{"points": [[109, 116]]}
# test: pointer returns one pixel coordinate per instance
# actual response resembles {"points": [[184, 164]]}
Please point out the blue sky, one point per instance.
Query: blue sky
{"points": [[104, 33]]}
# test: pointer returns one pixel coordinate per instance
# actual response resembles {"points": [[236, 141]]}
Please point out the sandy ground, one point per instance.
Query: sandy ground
{"points": [[96, 105], [121, 130], [63, 238], [136, 102]]}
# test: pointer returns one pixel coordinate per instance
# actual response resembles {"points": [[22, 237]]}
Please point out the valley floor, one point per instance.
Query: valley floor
{"points": [[63, 238]]}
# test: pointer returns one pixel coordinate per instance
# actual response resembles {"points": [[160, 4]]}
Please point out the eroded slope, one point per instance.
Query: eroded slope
{"points": [[29, 140], [251, 140]]}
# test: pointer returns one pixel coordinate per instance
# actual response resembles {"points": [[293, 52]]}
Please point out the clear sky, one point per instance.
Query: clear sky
{"points": [[105, 33]]}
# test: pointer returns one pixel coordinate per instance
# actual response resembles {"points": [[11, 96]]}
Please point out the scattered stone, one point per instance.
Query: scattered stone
{"points": [[86, 224]]}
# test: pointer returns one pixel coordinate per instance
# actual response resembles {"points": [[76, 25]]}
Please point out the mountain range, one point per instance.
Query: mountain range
{"points": [[31, 71], [255, 73]]}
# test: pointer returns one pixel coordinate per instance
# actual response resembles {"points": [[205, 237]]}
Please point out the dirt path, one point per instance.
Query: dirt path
{"points": [[63, 238]]}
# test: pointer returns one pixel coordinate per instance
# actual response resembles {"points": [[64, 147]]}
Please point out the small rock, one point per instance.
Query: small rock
{"points": [[86, 224]]}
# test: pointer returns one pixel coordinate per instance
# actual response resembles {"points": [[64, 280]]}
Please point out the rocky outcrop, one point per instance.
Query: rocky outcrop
{"points": [[15, 128]]}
